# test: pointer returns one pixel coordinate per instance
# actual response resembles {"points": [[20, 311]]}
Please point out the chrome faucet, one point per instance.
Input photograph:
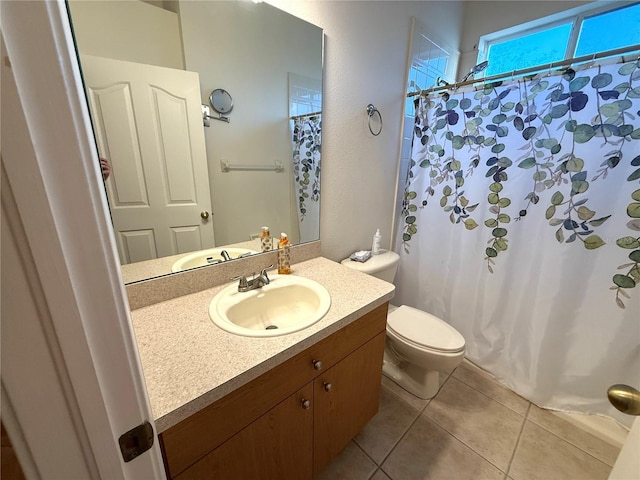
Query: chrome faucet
{"points": [[225, 258], [245, 285]]}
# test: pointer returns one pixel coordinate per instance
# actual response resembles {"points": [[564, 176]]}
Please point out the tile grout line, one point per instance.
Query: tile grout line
{"points": [[515, 447], [566, 440], [435, 422], [420, 412], [526, 415], [524, 418], [495, 400], [367, 455], [379, 465], [404, 434], [374, 472]]}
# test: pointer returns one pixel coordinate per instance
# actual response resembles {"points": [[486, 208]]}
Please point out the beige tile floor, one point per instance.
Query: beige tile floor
{"points": [[474, 428]]}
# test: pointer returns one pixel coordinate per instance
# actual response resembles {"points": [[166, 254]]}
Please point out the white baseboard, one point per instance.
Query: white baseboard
{"points": [[605, 428]]}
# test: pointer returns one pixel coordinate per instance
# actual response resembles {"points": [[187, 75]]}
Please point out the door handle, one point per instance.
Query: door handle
{"points": [[204, 214], [624, 398]]}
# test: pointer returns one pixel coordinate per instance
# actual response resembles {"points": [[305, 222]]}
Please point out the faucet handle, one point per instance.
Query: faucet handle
{"points": [[243, 281], [264, 275], [264, 270]]}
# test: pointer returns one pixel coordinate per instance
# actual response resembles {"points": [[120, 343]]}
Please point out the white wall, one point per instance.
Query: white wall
{"points": [[365, 62], [132, 31], [248, 50]]}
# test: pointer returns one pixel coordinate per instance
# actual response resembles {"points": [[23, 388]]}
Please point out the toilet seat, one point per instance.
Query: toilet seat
{"points": [[424, 331]]}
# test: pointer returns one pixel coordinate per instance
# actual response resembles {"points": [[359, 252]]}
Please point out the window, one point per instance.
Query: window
{"points": [[578, 32], [546, 46], [609, 30], [305, 95], [430, 60], [428, 64]]}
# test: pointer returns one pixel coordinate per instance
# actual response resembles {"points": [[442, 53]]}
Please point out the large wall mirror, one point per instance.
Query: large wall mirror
{"points": [[186, 182]]}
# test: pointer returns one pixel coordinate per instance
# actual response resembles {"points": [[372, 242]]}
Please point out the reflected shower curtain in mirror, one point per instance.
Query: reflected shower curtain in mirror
{"points": [[307, 140], [520, 226]]}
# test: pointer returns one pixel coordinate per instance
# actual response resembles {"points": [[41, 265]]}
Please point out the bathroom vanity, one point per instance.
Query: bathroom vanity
{"points": [[235, 407]]}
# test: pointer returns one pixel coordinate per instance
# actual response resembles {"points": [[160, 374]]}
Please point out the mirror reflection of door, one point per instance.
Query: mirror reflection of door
{"points": [[261, 45], [148, 125]]}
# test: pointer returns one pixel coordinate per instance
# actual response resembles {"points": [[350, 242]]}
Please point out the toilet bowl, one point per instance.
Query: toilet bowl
{"points": [[419, 345]]}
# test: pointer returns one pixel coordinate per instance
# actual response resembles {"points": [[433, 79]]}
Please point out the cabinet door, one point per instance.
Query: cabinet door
{"points": [[277, 445], [346, 398]]}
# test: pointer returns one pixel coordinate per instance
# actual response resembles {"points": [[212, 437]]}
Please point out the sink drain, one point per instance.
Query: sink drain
{"points": [[271, 327]]}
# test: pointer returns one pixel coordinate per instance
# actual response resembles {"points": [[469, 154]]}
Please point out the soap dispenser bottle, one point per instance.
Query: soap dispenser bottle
{"points": [[265, 239], [284, 255], [375, 247]]}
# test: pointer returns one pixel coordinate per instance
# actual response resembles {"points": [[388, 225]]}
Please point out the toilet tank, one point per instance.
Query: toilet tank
{"points": [[382, 266]]}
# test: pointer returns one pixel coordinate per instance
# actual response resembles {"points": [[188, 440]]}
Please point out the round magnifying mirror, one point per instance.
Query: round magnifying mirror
{"points": [[221, 101]]}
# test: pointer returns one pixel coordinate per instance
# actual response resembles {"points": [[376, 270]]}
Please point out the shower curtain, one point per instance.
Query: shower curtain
{"points": [[520, 226], [307, 141]]}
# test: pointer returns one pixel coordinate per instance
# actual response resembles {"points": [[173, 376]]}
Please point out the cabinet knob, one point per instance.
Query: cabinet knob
{"points": [[306, 404], [317, 364], [327, 387]]}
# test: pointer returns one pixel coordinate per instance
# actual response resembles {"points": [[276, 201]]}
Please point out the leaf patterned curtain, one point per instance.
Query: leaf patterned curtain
{"points": [[307, 140], [521, 226]]}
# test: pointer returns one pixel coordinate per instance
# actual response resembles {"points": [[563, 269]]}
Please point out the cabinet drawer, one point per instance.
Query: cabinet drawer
{"points": [[193, 438]]}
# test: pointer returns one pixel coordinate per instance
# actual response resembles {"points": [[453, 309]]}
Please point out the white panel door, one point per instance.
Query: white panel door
{"points": [[148, 124], [80, 386]]}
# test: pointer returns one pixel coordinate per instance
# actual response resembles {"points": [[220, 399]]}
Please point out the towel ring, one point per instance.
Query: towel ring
{"points": [[371, 110]]}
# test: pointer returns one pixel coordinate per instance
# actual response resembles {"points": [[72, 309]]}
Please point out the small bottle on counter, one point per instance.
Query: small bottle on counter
{"points": [[284, 255], [375, 247], [265, 239]]}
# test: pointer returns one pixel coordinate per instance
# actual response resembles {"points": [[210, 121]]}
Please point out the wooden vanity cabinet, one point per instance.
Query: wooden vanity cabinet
{"points": [[291, 421], [276, 446]]}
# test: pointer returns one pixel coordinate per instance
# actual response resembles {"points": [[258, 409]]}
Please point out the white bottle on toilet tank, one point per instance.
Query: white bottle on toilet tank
{"points": [[375, 246]]}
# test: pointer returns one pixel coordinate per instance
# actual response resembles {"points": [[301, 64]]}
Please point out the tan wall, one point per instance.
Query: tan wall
{"points": [[128, 30]]}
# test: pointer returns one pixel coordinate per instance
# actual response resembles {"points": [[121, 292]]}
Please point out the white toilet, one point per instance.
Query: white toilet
{"points": [[419, 345]]}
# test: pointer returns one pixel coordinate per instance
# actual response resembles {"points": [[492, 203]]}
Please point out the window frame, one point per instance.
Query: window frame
{"points": [[450, 54], [575, 16]]}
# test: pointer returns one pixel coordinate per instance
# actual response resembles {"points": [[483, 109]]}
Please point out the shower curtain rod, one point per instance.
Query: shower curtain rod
{"points": [[295, 117], [562, 63]]}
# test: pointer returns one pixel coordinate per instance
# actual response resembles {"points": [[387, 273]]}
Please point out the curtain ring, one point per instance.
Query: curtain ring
{"points": [[371, 110]]}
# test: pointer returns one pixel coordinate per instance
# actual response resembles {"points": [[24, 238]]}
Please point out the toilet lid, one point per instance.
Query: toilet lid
{"points": [[423, 329]]}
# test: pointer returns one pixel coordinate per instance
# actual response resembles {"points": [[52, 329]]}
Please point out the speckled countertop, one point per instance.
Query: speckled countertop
{"points": [[188, 362]]}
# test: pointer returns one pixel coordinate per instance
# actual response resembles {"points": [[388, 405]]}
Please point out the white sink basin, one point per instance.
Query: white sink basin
{"points": [[288, 304], [199, 259]]}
